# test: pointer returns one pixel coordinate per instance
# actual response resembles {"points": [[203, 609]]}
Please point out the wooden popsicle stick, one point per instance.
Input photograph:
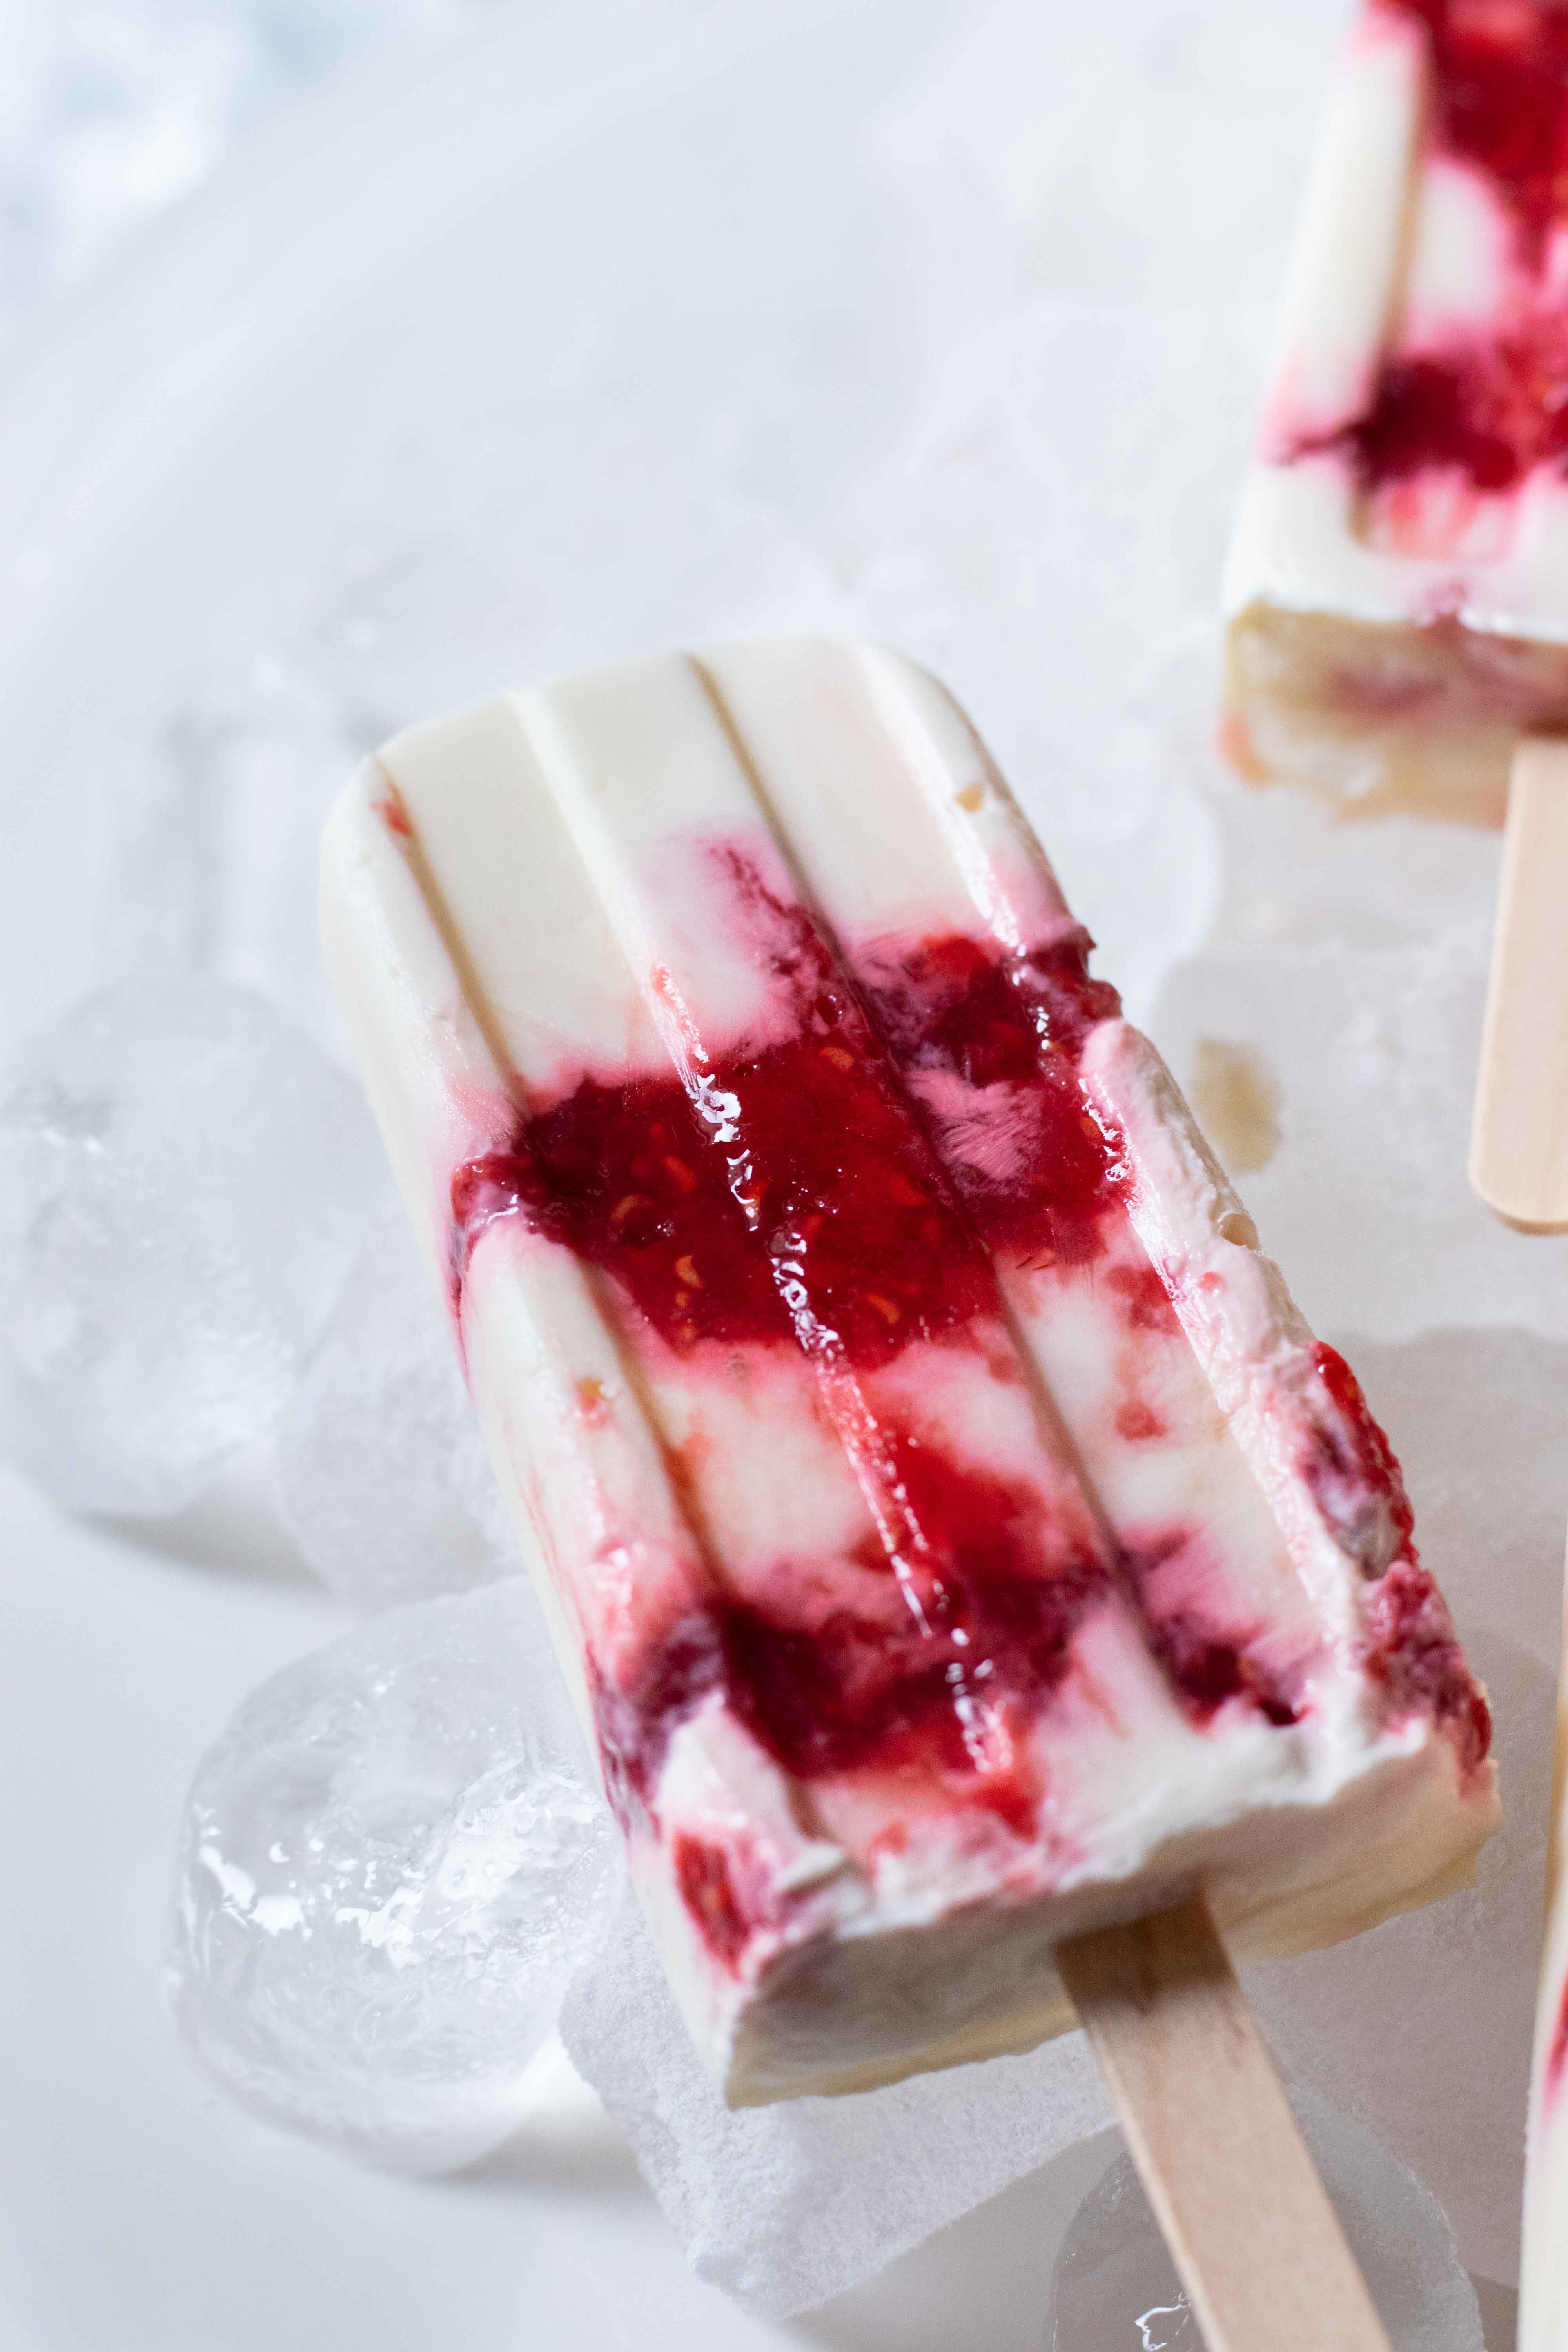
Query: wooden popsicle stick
{"points": [[1244, 2214], [1519, 1144]]}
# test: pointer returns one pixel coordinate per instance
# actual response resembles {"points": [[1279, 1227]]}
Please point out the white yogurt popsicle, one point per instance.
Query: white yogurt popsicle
{"points": [[1398, 591], [955, 1536], [1543, 2270]]}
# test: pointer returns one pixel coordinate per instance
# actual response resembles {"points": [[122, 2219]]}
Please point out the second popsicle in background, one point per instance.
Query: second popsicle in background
{"points": [[1543, 2271], [1398, 606], [1397, 590]]}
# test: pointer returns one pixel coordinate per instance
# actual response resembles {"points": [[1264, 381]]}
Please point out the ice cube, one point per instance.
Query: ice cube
{"points": [[184, 1177], [391, 1862], [787, 2205], [217, 841], [382, 1474], [1116, 2289]]}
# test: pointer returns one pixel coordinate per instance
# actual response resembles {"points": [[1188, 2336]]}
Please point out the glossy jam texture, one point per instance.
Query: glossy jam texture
{"points": [[800, 1205], [836, 1177], [1036, 1170], [1489, 407], [834, 1180]]}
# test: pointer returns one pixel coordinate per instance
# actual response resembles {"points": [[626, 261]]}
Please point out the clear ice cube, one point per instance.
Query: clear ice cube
{"points": [[390, 1864], [184, 1177], [786, 2205], [382, 1474]]}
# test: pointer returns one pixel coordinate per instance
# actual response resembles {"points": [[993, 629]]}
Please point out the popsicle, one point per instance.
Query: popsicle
{"points": [[1543, 2268], [957, 1541], [1397, 588], [1397, 598]]}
